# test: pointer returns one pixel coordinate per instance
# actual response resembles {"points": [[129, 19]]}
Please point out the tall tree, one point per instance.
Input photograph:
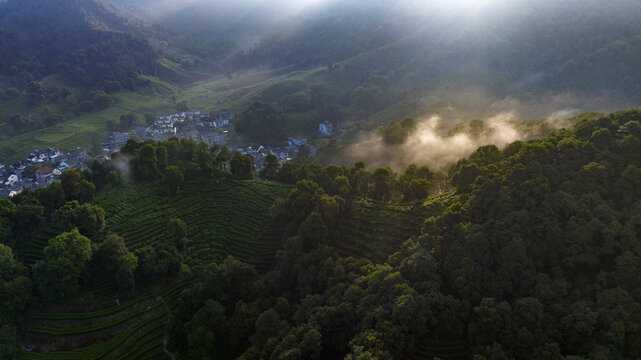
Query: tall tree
{"points": [[270, 170], [173, 179], [242, 166], [177, 230], [112, 258], [66, 258]]}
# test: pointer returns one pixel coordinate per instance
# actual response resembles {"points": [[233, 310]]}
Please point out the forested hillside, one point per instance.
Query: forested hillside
{"points": [[87, 39], [534, 254], [527, 252], [174, 249], [505, 47]]}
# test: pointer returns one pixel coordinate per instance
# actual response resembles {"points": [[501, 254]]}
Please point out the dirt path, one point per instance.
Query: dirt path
{"points": [[164, 339]]}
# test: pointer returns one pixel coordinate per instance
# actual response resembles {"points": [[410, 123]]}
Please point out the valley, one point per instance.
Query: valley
{"points": [[320, 180]]}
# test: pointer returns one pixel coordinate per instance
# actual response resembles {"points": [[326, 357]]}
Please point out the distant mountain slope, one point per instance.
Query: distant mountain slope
{"points": [[87, 38], [506, 47]]}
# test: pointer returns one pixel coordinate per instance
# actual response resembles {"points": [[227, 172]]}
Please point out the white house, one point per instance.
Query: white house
{"points": [[326, 128], [11, 180], [297, 140]]}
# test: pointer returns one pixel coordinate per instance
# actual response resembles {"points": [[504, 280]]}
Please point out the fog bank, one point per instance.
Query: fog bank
{"points": [[429, 146]]}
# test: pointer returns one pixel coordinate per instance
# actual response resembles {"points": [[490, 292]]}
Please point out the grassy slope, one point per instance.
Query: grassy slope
{"points": [[82, 130], [237, 92]]}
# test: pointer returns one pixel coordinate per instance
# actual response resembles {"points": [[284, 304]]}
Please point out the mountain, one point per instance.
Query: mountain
{"points": [[87, 39], [522, 46]]}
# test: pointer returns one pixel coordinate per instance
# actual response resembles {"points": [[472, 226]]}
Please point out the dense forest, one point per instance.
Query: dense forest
{"points": [[527, 252], [87, 39]]}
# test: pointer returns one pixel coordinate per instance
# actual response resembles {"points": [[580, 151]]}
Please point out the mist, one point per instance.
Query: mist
{"points": [[429, 145]]}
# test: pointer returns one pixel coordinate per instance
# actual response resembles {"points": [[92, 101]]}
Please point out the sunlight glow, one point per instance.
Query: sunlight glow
{"points": [[460, 5]]}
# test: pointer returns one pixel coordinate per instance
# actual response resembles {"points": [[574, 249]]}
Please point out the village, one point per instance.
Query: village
{"points": [[42, 167]]}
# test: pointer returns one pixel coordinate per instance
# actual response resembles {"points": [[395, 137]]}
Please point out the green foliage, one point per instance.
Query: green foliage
{"points": [[66, 258], [532, 252], [158, 262], [270, 170], [382, 182], [313, 231], [101, 99], [173, 179], [242, 166], [397, 132], [7, 262], [91, 55], [112, 257], [145, 165], [16, 287], [9, 348], [299, 101], [182, 106], [177, 230], [262, 123], [219, 312], [88, 219], [77, 186]]}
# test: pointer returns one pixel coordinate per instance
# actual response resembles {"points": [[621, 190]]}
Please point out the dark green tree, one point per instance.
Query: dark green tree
{"points": [[177, 230], [76, 186], [173, 179], [112, 258], [66, 258], [182, 106], [270, 169], [144, 165], [242, 166]]}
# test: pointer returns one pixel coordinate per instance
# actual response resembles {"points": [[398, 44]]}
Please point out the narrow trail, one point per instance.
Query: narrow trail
{"points": [[164, 339]]}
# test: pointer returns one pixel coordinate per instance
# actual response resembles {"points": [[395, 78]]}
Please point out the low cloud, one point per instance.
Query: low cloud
{"points": [[429, 146]]}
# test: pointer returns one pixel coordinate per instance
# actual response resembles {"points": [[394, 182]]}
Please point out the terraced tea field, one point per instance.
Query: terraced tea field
{"points": [[135, 329], [224, 217], [374, 229]]}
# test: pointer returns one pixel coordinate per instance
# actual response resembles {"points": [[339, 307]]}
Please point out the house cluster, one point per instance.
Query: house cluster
{"points": [[259, 153], [115, 142], [282, 153], [48, 164], [216, 119], [194, 124], [167, 125]]}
